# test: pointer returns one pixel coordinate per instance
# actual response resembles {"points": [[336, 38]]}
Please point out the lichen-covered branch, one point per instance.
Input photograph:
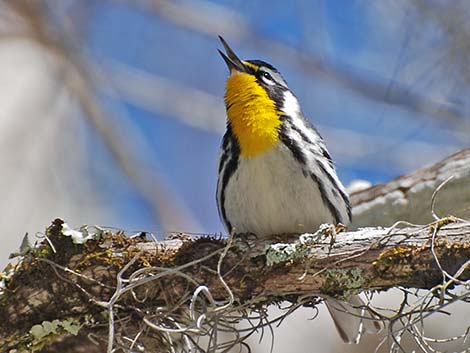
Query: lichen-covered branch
{"points": [[408, 198], [92, 281]]}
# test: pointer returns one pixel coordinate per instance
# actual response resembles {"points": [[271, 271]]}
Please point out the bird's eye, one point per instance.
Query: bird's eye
{"points": [[266, 75]]}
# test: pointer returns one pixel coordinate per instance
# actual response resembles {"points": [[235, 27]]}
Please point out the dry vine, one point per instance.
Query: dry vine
{"points": [[129, 294]]}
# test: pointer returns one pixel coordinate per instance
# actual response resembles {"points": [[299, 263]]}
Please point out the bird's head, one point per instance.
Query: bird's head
{"points": [[256, 98]]}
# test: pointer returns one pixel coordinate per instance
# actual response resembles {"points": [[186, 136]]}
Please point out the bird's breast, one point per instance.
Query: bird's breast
{"points": [[272, 194]]}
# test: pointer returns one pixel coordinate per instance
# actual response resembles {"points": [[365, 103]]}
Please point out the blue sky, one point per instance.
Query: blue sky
{"points": [[348, 34]]}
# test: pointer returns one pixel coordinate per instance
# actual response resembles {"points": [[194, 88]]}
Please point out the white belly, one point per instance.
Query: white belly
{"points": [[270, 194]]}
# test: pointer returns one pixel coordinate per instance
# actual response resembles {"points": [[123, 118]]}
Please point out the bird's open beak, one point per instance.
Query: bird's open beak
{"points": [[231, 59]]}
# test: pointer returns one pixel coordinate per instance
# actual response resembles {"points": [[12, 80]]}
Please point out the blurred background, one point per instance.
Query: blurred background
{"points": [[111, 112]]}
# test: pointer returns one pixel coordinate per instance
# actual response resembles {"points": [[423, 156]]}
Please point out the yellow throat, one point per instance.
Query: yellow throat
{"points": [[253, 116]]}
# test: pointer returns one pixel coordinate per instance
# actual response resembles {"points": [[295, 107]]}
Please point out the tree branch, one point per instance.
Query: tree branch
{"points": [[408, 198], [79, 280], [122, 292]]}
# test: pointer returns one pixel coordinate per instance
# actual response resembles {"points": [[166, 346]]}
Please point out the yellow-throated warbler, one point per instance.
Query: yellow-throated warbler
{"points": [[275, 173]]}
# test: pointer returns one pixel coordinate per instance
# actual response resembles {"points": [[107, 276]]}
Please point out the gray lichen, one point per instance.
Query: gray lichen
{"points": [[287, 252], [343, 283], [41, 334], [282, 252]]}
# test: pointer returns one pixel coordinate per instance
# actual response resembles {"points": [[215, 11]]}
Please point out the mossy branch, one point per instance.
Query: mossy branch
{"points": [[74, 280]]}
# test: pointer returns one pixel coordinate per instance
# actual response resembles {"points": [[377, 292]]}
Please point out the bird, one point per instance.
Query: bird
{"points": [[275, 174]]}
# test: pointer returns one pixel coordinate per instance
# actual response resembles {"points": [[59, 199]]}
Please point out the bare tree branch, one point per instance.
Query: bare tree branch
{"points": [[215, 20], [202, 110], [167, 276], [81, 287], [76, 75], [408, 198], [122, 292]]}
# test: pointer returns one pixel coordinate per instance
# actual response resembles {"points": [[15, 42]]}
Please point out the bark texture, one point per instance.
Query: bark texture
{"points": [[80, 287], [408, 198], [73, 283]]}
